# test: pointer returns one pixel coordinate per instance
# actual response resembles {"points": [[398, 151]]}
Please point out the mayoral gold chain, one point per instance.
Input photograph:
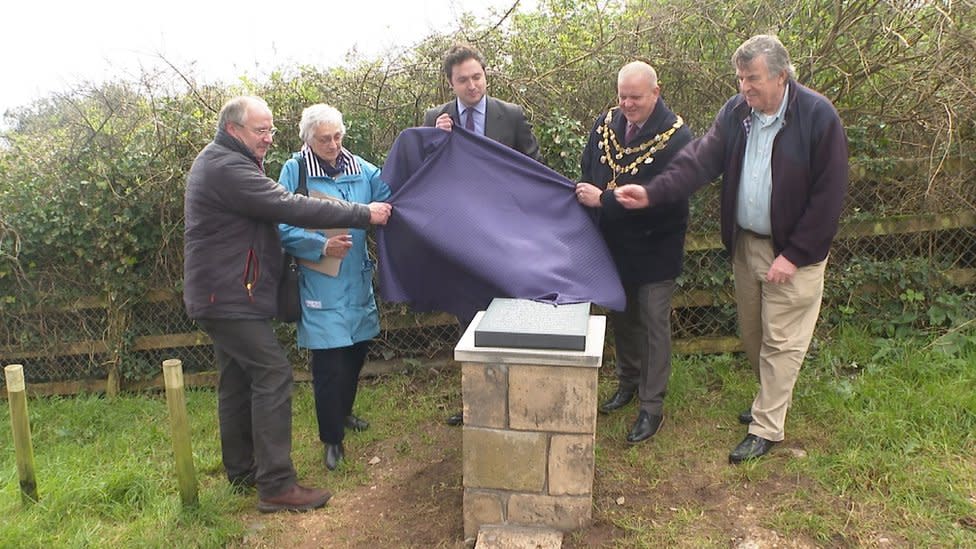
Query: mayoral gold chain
{"points": [[613, 151]]}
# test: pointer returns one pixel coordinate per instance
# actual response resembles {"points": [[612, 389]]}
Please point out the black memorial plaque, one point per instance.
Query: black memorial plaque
{"points": [[528, 324]]}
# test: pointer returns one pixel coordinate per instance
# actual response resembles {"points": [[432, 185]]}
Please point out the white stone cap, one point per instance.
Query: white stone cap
{"points": [[592, 356]]}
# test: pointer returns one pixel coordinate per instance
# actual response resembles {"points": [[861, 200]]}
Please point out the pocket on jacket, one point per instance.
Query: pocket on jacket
{"points": [[366, 287]]}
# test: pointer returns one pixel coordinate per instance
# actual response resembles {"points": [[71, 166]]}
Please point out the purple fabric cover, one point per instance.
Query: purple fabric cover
{"points": [[474, 220]]}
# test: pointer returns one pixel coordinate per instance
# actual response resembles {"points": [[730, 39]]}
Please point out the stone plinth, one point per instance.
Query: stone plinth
{"points": [[509, 537], [529, 432]]}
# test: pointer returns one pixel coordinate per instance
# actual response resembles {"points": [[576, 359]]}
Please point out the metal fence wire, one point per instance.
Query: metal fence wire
{"points": [[878, 260]]}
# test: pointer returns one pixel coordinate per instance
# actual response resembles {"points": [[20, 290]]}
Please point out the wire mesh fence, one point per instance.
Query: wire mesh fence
{"points": [[872, 266]]}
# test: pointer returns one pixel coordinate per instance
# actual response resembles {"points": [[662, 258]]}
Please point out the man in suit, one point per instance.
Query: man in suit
{"points": [[629, 143], [472, 110]]}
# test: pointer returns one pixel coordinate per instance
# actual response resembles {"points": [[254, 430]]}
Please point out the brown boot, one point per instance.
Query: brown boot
{"points": [[297, 498]]}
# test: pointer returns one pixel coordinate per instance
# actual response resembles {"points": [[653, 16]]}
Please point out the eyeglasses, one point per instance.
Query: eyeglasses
{"points": [[260, 132], [326, 139]]}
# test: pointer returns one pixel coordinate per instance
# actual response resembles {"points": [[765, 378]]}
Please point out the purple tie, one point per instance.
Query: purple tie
{"points": [[631, 133], [469, 119]]}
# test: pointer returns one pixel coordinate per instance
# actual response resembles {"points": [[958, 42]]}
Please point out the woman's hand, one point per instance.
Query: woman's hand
{"points": [[338, 246]]}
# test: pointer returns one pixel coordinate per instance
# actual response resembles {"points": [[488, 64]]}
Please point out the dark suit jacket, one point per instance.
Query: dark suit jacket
{"points": [[504, 122]]}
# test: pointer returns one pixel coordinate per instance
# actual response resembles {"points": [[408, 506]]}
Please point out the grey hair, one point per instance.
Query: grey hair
{"points": [[638, 68], [768, 46], [235, 110], [318, 114]]}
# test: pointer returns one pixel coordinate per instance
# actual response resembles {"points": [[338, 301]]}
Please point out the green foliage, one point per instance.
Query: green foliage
{"points": [[898, 298], [98, 191], [93, 178], [562, 138]]}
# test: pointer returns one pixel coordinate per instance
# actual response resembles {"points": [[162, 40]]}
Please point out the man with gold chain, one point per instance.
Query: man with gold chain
{"points": [[629, 143]]}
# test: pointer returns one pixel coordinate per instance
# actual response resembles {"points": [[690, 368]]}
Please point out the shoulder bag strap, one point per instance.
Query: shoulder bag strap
{"points": [[302, 176]]}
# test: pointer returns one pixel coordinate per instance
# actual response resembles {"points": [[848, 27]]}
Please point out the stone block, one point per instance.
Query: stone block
{"points": [[481, 507], [591, 357], [571, 463], [531, 324], [552, 398], [484, 389], [518, 537], [504, 460], [564, 513]]}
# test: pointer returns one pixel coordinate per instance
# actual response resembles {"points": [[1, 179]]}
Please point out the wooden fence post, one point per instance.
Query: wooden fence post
{"points": [[24, 450], [180, 426]]}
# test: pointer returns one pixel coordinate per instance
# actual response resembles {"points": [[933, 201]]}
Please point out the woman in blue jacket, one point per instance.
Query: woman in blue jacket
{"points": [[339, 316]]}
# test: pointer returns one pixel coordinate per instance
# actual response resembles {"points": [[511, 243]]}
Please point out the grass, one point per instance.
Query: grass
{"points": [[104, 477], [888, 427]]}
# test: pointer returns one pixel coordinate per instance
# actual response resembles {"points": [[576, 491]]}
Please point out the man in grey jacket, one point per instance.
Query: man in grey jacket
{"points": [[232, 263]]}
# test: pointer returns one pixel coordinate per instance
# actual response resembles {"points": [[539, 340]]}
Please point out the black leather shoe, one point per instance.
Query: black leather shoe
{"points": [[745, 417], [619, 399], [645, 427], [751, 447], [333, 456], [355, 423], [455, 420]]}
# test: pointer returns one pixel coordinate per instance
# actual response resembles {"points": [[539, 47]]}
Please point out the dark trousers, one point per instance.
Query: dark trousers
{"points": [[335, 379], [253, 402], [642, 337]]}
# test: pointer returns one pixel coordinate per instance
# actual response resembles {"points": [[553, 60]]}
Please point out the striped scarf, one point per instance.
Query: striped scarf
{"points": [[345, 164]]}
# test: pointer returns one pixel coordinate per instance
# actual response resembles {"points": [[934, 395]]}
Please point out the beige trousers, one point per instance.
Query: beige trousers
{"points": [[776, 323]]}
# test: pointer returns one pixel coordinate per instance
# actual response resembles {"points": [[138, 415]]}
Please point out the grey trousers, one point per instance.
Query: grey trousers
{"points": [[642, 337], [253, 402]]}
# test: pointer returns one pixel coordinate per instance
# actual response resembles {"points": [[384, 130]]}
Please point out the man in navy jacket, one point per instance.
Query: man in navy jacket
{"points": [[782, 153]]}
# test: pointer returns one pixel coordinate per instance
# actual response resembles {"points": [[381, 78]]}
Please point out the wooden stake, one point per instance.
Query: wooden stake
{"points": [[23, 448], [180, 426]]}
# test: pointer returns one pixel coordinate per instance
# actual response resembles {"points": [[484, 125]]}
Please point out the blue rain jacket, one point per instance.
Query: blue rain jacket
{"points": [[336, 311]]}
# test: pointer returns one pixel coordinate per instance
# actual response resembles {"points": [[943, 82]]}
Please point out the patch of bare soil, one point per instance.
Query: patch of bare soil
{"points": [[413, 499], [725, 512]]}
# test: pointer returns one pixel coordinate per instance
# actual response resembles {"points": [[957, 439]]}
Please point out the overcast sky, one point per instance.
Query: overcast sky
{"points": [[52, 45]]}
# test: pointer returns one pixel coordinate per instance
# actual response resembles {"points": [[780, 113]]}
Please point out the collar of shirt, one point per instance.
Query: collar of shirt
{"points": [[479, 114]]}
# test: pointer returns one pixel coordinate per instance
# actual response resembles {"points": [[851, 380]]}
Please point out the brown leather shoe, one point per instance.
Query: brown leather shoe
{"points": [[296, 499]]}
